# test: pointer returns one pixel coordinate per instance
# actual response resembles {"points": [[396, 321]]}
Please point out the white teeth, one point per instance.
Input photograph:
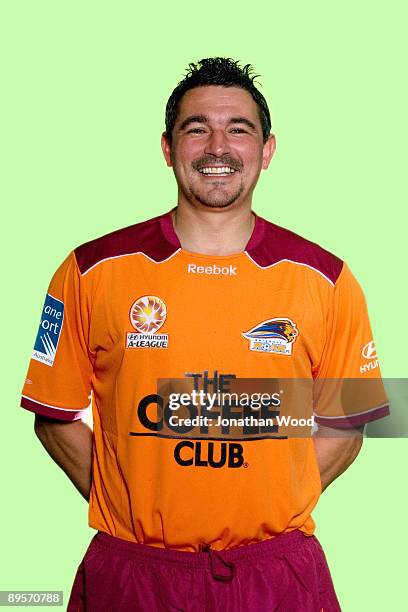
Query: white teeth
{"points": [[222, 170]]}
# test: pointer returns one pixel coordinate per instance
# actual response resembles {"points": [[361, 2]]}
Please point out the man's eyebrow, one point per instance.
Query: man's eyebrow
{"points": [[204, 119], [245, 121], [193, 119]]}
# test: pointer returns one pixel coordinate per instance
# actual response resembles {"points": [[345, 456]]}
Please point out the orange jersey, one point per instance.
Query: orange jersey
{"points": [[133, 307]]}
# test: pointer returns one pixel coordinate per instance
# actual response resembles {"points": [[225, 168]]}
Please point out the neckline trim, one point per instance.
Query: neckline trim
{"points": [[167, 227]]}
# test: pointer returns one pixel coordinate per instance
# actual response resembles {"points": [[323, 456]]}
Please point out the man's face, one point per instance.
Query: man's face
{"points": [[217, 149]]}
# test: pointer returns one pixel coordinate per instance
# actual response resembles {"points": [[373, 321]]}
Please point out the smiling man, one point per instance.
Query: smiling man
{"points": [[206, 512], [217, 156]]}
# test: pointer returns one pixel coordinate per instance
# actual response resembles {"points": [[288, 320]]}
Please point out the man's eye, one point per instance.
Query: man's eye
{"points": [[238, 130], [195, 131]]}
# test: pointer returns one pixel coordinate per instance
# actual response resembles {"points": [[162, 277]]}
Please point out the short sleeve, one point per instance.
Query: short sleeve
{"points": [[348, 388], [58, 382]]}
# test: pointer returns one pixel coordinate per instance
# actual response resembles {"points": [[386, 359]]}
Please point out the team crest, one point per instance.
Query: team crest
{"points": [[272, 336], [147, 315]]}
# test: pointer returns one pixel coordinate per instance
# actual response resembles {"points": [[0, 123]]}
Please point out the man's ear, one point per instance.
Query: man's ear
{"points": [[268, 151], [166, 148]]}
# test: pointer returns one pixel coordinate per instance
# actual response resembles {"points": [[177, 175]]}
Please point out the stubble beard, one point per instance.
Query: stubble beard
{"points": [[216, 198]]}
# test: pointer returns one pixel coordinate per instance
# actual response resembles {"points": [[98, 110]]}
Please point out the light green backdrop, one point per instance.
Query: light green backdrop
{"points": [[84, 89]]}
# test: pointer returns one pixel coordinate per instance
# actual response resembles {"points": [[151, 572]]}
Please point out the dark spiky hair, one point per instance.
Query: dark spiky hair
{"points": [[222, 71]]}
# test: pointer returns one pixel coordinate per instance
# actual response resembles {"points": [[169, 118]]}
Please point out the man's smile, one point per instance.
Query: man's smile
{"points": [[216, 171]]}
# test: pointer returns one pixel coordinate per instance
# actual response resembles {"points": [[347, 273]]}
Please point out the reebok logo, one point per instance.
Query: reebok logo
{"points": [[214, 269]]}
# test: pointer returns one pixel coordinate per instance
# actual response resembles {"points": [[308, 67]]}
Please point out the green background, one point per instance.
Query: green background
{"points": [[84, 89]]}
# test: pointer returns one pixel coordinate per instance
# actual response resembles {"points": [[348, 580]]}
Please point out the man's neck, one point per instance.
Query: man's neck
{"points": [[213, 232]]}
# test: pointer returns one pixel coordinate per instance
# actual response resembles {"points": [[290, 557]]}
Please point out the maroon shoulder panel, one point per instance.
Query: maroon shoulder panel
{"points": [[278, 243], [146, 237]]}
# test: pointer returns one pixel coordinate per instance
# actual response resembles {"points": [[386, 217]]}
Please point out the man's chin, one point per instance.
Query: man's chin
{"points": [[216, 200], [214, 204]]}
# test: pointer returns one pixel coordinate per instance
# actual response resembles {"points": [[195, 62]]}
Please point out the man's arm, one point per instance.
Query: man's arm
{"points": [[336, 450], [69, 443]]}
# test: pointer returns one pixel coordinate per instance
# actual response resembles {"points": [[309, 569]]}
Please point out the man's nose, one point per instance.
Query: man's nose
{"points": [[217, 143]]}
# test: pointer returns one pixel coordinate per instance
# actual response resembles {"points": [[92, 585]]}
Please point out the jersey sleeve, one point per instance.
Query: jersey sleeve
{"points": [[348, 388], [58, 383]]}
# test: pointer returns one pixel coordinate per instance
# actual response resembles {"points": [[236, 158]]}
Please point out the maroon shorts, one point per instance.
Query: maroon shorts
{"points": [[288, 573]]}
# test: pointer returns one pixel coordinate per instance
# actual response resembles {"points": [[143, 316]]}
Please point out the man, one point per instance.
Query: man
{"points": [[190, 517]]}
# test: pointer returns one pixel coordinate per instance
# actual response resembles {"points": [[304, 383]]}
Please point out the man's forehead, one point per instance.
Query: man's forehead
{"points": [[217, 101]]}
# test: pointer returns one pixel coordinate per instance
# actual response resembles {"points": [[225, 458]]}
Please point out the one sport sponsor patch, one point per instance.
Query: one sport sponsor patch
{"points": [[49, 332]]}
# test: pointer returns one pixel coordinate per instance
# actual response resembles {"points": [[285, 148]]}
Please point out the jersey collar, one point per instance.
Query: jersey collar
{"points": [[166, 223]]}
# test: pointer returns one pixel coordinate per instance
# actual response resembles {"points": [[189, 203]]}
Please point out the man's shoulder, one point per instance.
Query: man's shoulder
{"points": [[143, 237], [279, 244]]}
